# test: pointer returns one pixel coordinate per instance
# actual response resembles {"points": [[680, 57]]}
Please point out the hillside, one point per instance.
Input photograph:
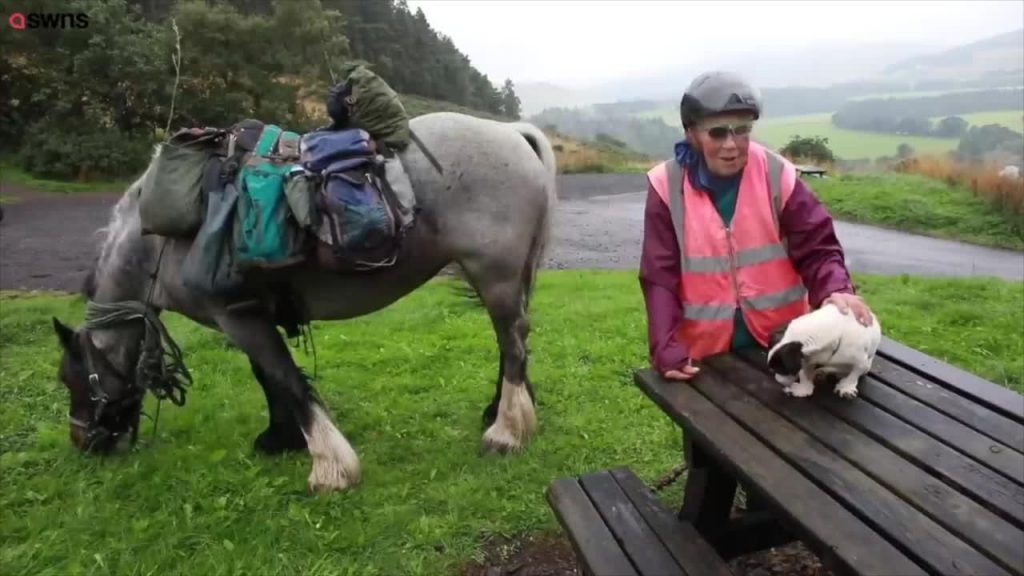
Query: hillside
{"points": [[991, 56], [605, 155], [159, 63], [418, 106]]}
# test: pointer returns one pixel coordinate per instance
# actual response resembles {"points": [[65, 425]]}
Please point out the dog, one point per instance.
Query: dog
{"points": [[824, 341]]}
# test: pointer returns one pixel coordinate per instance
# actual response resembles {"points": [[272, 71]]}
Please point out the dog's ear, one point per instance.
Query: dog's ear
{"points": [[787, 359]]}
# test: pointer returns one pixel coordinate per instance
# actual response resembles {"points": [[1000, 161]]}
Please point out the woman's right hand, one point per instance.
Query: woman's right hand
{"points": [[685, 373]]}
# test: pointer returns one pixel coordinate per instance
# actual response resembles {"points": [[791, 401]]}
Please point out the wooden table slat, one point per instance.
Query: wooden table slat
{"points": [[588, 534], [991, 489], [850, 546], [957, 513], [640, 542], [995, 397], [989, 452], [691, 552], [976, 416], [918, 536]]}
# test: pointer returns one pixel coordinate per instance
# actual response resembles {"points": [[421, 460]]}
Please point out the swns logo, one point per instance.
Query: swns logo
{"points": [[48, 20]]}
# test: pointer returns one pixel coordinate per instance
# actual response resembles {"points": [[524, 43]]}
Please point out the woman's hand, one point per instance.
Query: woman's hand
{"points": [[687, 372], [851, 302]]}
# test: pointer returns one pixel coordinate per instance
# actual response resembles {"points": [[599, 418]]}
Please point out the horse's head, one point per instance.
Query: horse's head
{"points": [[106, 402]]}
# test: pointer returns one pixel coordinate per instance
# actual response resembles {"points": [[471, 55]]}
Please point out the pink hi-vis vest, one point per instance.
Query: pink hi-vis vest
{"points": [[745, 265]]}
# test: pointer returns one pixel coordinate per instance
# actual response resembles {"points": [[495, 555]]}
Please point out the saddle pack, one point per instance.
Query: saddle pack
{"points": [[255, 196], [362, 220]]}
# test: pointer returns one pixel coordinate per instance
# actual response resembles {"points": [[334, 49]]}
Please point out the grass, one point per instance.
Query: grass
{"points": [[12, 174], [407, 386], [983, 180], [914, 203]]}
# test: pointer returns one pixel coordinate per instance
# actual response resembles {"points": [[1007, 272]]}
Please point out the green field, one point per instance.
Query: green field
{"points": [[923, 93], [1012, 119], [407, 386], [847, 144], [855, 144]]}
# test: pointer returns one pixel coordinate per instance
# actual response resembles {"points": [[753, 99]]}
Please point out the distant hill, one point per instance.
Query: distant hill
{"points": [[795, 81], [536, 97], [1000, 54], [795, 67]]}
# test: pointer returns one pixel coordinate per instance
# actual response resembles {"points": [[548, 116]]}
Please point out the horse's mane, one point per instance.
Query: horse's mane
{"points": [[123, 217]]}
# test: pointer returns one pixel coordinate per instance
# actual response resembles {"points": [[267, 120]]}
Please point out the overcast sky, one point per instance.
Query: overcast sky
{"points": [[574, 43]]}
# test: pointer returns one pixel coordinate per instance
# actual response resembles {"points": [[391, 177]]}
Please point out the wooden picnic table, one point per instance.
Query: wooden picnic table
{"points": [[807, 170], [922, 473]]}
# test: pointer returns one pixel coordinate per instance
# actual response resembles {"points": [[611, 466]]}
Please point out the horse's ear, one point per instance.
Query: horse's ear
{"points": [[65, 334]]}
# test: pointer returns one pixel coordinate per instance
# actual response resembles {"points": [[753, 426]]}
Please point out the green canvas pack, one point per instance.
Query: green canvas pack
{"points": [[266, 232], [171, 201], [375, 107]]}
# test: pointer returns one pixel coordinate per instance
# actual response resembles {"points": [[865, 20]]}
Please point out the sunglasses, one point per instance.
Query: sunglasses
{"points": [[722, 131]]}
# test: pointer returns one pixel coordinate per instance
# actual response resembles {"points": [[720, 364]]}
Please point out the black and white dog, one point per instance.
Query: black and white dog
{"points": [[824, 341]]}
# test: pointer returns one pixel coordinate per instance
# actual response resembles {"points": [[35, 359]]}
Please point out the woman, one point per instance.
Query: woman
{"points": [[735, 245]]}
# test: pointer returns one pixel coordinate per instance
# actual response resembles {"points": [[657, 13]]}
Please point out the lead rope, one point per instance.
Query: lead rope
{"points": [[670, 478], [149, 299]]}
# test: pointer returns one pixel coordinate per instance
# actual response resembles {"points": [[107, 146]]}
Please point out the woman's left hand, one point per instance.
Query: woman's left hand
{"points": [[851, 302]]}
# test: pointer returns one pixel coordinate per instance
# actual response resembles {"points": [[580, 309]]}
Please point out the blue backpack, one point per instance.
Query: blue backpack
{"points": [[358, 227]]}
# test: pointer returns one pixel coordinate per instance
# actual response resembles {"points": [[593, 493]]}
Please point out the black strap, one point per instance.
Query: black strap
{"points": [[426, 152]]}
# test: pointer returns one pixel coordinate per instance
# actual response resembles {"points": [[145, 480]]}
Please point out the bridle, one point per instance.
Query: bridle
{"points": [[95, 431], [160, 369]]}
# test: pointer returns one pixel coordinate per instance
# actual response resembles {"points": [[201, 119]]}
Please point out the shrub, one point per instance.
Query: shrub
{"points": [[53, 149], [813, 148]]}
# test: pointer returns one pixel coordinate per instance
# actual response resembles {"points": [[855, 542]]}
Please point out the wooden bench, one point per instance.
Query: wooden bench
{"points": [[922, 473], [618, 527]]}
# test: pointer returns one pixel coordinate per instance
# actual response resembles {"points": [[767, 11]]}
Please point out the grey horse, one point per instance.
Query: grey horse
{"points": [[488, 212]]}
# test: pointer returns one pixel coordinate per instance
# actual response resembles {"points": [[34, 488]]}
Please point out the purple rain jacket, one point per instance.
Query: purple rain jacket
{"points": [[813, 248]]}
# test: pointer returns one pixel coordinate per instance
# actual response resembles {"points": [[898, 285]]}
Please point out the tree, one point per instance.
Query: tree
{"points": [[811, 148], [510, 104], [905, 150], [981, 140], [951, 127]]}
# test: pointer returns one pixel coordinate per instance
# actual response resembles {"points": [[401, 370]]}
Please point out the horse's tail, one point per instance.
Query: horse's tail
{"points": [[541, 146], [538, 247]]}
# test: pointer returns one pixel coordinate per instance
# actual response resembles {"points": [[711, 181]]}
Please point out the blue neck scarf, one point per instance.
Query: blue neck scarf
{"points": [[702, 177]]}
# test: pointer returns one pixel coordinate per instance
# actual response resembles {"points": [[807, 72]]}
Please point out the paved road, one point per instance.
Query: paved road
{"points": [[47, 242], [605, 232]]}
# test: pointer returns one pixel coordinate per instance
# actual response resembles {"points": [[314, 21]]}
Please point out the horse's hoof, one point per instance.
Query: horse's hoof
{"points": [[331, 481], [500, 441], [273, 441], [500, 447], [335, 473]]}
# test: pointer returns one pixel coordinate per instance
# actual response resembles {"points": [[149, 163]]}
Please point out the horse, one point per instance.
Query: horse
{"points": [[487, 213]]}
